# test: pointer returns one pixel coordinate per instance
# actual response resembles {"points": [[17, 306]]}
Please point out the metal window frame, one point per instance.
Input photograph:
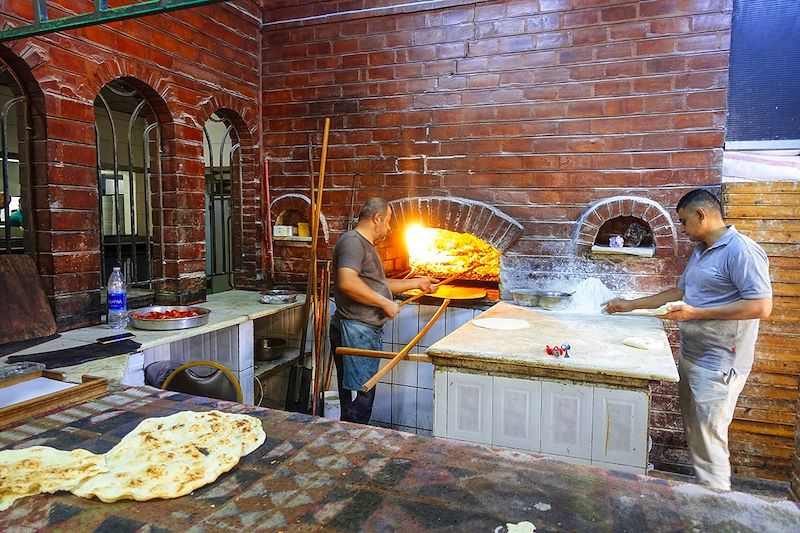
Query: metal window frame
{"points": [[100, 14]]}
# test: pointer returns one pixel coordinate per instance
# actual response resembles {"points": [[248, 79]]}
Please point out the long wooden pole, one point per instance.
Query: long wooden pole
{"points": [[402, 353], [377, 354]]}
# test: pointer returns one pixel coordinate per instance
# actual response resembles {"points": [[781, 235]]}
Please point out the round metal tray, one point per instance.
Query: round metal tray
{"points": [[161, 324]]}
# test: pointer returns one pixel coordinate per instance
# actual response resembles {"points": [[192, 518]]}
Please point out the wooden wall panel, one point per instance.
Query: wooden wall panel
{"points": [[763, 438]]}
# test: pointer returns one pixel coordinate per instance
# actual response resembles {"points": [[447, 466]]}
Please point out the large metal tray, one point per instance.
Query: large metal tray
{"points": [[162, 324]]}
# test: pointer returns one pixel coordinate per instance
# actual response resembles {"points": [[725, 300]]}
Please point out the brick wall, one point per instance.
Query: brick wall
{"points": [[540, 108], [189, 64]]}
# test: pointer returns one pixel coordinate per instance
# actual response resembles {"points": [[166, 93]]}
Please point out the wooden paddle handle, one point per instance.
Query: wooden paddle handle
{"points": [[443, 282], [418, 358], [402, 353]]}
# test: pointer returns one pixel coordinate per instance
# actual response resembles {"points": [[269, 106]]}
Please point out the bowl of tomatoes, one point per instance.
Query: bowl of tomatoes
{"points": [[166, 317]]}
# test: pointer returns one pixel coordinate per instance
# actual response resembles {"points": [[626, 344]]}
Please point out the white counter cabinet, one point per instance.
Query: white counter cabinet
{"points": [[579, 422]]}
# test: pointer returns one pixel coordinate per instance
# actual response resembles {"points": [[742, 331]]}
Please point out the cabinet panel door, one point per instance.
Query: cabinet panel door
{"points": [[517, 407], [567, 419], [440, 402], [620, 427], [469, 407]]}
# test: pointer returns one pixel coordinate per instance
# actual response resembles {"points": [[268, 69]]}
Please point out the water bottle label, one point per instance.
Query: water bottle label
{"points": [[117, 301]]}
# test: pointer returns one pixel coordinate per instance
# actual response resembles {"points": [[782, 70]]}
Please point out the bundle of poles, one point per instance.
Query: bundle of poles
{"points": [[318, 283], [323, 361]]}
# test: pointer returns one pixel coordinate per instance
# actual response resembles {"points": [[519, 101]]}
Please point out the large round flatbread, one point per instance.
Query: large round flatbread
{"points": [[40, 469], [500, 323], [643, 343], [172, 456], [161, 458]]}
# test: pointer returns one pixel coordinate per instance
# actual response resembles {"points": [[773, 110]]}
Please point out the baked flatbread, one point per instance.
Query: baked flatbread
{"points": [[161, 458], [174, 455], [40, 469]]}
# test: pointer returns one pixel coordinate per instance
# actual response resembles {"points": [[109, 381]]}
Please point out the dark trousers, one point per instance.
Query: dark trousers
{"points": [[357, 410]]}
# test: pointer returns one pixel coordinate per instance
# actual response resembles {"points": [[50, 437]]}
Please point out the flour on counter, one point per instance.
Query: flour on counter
{"points": [[589, 297]]}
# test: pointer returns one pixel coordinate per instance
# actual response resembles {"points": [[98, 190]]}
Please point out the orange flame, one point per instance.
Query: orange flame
{"points": [[443, 253]]}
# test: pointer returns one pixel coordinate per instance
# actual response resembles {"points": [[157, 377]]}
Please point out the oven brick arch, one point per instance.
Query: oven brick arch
{"points": [[460, 215], [651, 212]]}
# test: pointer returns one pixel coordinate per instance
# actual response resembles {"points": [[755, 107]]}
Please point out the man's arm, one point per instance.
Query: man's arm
{"points": [[620, 305], [350, 283], [424, 283], [741, 310]]}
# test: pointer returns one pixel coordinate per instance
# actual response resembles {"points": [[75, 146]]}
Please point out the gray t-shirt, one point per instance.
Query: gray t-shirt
{"points": [[734, 268], [353, 251]]}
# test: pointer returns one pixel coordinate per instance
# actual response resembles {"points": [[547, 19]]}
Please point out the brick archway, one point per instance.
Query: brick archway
{"points": [[649, 211], [298, 202]]}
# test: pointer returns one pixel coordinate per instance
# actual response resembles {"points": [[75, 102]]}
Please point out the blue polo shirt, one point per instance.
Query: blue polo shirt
{"points": [[733, 268]]}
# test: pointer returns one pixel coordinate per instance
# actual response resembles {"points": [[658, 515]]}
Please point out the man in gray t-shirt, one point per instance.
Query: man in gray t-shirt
{"points": [[364, 304], [722, 294]]}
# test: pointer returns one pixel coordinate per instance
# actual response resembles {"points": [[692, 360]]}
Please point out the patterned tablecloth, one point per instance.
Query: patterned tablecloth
{"points": [[314, 474]]}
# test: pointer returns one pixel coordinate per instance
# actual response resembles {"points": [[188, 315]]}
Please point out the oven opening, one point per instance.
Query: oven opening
{"points": [[443, 253]]}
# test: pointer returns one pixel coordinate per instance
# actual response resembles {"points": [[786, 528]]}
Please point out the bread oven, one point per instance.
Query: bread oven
{"points": [[446, 236]]}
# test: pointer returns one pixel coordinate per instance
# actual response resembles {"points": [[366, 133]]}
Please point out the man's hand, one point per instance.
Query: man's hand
{"points": [[679, 311], [618, 305], [390, 308], [426, 284]]}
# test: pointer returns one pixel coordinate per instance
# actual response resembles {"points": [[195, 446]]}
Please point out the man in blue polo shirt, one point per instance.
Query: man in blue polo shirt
{"points": [[722, 294]]}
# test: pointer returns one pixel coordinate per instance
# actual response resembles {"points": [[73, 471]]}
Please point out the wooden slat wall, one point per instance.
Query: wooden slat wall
{"points": [[762, 436]]}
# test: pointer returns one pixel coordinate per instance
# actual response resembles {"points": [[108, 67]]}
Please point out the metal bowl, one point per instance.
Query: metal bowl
{"points": [[161, 324], [526, 297], [269, 348], [278, 297], [551, 299]]}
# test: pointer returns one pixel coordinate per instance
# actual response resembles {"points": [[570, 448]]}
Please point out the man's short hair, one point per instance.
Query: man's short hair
{"points": [[372, 207], [700, 198]]}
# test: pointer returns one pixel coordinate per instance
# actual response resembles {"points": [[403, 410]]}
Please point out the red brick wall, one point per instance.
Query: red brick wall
{"points": [[189, 63], [540, 108]]}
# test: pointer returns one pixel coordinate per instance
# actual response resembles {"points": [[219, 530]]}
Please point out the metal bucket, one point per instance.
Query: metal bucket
{"points": [[269, 348]]}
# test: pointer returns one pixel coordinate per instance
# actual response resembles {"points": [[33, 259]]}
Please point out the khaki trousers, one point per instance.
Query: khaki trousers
{"points": [[708, 399]]}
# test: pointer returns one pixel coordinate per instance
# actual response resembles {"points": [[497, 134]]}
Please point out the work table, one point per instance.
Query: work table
{"points": [[228, 309], [314, 474], [596, 354], [501, 387]]}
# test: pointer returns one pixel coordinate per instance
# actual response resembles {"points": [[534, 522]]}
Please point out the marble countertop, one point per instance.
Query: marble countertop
{"points": [[227, 309], [596, 342]]}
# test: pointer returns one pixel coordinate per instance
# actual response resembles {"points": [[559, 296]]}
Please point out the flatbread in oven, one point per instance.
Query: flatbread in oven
{"points": [[172, 456]]}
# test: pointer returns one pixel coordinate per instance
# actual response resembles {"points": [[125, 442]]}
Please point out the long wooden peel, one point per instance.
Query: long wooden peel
{"points": [[443, 282], [402, 353]]}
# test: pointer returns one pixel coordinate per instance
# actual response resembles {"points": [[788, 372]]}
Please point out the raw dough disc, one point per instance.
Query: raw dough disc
{"points": [[643, 343], [500, 323], [667, 307]]}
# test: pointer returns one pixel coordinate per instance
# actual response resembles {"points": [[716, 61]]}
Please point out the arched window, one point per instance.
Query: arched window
{"points": [[222, 153], [16, 231], [130, 185]]}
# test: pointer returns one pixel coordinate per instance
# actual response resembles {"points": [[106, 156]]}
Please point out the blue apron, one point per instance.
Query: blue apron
{"points": [[355, 334]]}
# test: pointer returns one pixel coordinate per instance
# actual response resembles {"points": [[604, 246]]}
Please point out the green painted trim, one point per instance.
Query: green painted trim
{"points": [[100, 15]]}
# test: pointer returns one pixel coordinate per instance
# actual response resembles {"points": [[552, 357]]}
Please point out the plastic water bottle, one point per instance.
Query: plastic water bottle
{"points": [[117, 301]]}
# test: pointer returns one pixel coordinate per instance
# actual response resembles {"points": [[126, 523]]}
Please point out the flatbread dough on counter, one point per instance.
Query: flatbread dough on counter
{"points": [[643, 343], [162, 457], [500, 323]]}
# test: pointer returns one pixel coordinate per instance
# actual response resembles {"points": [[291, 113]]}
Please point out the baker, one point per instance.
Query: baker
{"points": [[722, 294], [364, 303]]}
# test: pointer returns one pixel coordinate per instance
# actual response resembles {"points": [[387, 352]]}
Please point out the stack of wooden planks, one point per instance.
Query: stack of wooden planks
{"points": [[762, 435]]}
